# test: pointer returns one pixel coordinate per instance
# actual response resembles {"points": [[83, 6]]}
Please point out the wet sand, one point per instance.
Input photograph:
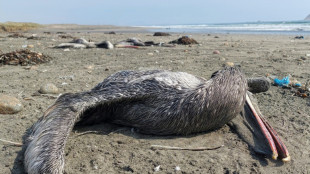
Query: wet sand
{"points": [[114, 149]]}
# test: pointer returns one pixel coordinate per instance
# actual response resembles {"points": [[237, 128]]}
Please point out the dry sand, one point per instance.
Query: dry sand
{"points": [[115, 149]]}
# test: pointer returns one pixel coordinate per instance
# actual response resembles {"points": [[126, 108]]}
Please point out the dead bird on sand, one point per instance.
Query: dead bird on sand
{"points": [[155, 102]]}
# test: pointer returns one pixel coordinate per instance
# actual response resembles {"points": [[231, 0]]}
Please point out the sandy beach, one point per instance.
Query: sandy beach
{"points": [[109, 148]]}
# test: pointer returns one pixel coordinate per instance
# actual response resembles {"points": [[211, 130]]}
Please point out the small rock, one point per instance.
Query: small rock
{"points": [[177, 168], [216, 52], [222, 59], [31, 67], [30, 46], [184, 40], [161, 34], [90, 67], [67, 49], [303, 58], [9, 105], [150, 54], [156, 51], [231, 64], [258, 84], [48, 88], [308, 55]]}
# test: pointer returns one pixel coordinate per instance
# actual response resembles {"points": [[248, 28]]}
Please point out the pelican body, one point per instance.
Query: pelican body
{"points": [[155, 102]]}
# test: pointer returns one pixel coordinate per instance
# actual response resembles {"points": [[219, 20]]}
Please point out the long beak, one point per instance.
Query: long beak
{"points": [[278, 148]]}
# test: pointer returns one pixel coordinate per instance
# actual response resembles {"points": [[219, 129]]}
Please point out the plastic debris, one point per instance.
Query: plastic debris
{"points": [[177, 168], [297, 84], [156, 169], [283, 82]]}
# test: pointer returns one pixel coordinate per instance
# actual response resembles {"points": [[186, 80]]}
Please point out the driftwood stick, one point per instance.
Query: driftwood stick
{"points": [[87, 132], [12, 143], [182, 148]]}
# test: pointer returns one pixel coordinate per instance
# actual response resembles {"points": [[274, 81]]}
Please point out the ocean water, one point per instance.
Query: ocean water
{"points": [[282, 27]]}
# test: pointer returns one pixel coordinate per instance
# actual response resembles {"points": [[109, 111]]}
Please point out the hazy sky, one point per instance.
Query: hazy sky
{"points": [[151, 12]]}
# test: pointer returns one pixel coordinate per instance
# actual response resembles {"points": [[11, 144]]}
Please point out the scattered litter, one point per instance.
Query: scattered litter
{"points": [[301, 93], [177, 168], [156, 169], [283, 82], [184, 40], [297, 88], [23, 57], [295, 83]]}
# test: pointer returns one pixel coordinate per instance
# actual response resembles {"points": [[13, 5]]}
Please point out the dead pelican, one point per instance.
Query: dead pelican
{"points": [[155, 102]]}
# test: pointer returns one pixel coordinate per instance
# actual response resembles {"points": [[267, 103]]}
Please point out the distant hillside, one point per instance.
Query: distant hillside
{"points": [[17, 26], [307, 18]]}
